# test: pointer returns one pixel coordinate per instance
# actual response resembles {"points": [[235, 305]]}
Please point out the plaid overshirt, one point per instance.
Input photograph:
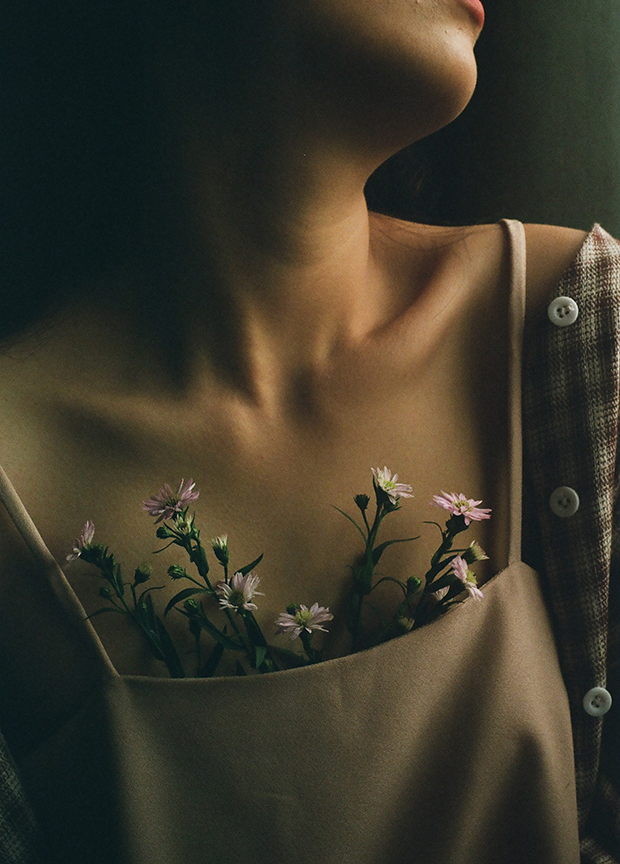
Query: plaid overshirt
{"points": [[571, 387], [571, 400]]}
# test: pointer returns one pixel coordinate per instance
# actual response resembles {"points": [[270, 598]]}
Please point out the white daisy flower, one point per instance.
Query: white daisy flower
{"points": [[238, 593]]}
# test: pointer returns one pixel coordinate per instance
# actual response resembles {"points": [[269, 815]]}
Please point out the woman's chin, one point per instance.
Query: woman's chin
{"points": [[407, 104]]}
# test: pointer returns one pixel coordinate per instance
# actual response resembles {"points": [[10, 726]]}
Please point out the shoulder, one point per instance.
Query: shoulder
{"points": [[550, 251], [553, 252], [582, 264]]}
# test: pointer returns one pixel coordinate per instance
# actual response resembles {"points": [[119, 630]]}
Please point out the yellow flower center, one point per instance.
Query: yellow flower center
{"points": [[236, 598]]}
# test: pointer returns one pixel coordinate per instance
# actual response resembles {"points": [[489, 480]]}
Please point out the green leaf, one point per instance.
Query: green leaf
{"points": [[390, 579], [201, 561], [437, 568], [144, 605], [182, 595], [352, 520], [118, 581], [259, 654], [240, 669], [293, 660], [226, 641], [157, 551], [146, 611], [211, 664], [378, 551], [105, 609], [172, 659], [245, 570], [426, 522], [253, 629], [442, 582], [152, 588], [154, 641]]}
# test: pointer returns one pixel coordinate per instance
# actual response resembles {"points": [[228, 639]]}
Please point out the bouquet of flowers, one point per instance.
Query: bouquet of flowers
{"points": [[449, 580]]}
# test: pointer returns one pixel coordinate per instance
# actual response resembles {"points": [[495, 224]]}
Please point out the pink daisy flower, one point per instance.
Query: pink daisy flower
{"points": [[459, 566], [166, 503], [303, 619], [237, 594], [84, 540], [459, 505], [387, 481]]}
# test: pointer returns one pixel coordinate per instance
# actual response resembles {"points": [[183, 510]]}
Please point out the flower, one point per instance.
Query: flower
{"points": [[459, 566], [387, 482], [166, 503], [83, 541], [237, 594], [460, 505], [303, 619]]}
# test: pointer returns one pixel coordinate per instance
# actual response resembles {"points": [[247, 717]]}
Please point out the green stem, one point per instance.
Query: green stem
{"points": [[313, 655], [238, 632], [354, 624]]}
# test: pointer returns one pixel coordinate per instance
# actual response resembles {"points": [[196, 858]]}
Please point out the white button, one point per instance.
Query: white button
{"points": [[597, 701], [562, 311], [564, 501]]}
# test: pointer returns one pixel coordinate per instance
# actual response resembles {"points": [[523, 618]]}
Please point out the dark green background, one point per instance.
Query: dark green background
{"points": [[540, 140]]}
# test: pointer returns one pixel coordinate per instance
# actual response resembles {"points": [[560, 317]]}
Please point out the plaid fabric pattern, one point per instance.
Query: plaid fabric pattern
{"points": [[571, 400], [18, 835]]}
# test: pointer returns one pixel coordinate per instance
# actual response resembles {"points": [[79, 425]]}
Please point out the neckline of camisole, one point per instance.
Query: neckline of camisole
{"points": [[61, 586]]}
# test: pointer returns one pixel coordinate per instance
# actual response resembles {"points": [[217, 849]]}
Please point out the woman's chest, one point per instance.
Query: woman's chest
{"points": [[272, 486]]}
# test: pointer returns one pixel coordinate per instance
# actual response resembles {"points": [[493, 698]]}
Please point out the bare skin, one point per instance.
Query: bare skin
{"points": [[330, 340], [266, 481]]}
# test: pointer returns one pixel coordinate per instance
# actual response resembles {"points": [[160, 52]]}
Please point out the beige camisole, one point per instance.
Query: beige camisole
{"points": [[449, 745]]}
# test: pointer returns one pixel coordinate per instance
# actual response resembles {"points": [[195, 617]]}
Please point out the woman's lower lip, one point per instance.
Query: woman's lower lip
{"points": [[476, 8]]}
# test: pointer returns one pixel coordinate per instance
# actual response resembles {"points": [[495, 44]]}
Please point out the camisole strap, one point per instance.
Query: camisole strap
{"points": [[52, 571], [516, 235]]}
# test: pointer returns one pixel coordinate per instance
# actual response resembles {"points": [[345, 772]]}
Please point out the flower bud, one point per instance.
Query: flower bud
{"points": [[220, 548], [405, 624], [105, 592], [362, 501], [293, 608], [175, 571], [185, 526], [142, 574], [474, 553], [191, 605], [163, 532], [413, 584]]}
